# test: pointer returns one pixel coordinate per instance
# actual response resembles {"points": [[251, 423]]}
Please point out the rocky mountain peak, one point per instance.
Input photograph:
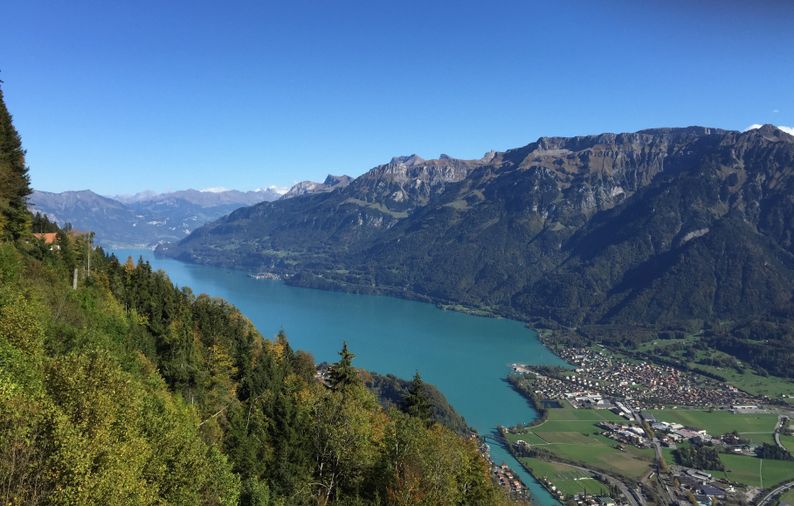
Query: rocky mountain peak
{"points": [[332, 180], [409, 160]]}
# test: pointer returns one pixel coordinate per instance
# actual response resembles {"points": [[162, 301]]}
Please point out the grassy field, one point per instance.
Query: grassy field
{"points": [[755, 384], [572, 434], [787, 498], [752, 471], [568, 480], [788, 442], [758, 428], [749, 470]]}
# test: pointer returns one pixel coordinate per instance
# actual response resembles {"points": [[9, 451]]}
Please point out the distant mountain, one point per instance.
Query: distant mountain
{"points": [[652, 227], [206, 198], [144, 219]]}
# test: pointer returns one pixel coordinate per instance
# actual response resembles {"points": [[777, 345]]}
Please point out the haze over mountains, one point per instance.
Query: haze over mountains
{"points": [[143, 219], [657, 226]]}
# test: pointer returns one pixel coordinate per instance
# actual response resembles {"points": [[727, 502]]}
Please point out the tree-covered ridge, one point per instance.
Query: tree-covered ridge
{"points": [[405, 395], [130, 390]]}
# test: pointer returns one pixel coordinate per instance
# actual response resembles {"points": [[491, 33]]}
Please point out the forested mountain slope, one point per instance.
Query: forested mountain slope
{"points": [[655, 227], [129, 390]]}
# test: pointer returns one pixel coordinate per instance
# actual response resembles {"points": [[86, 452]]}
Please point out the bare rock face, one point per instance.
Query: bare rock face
{"points": [[309, 187], [408, 182]]}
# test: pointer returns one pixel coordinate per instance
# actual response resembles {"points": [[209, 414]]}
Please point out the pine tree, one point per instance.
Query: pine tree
{"points": [[416, 402], [14, 179], [343, 374]]}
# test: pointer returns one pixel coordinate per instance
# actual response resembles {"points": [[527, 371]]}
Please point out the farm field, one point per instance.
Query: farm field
{"points": [[571, 434], [753, 471], [568, 480], [749, 470], [757, 428]]}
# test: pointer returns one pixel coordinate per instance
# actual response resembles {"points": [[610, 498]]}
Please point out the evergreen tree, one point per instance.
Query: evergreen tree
{"points": [[42, 224], [343, 374], [14, 179], [417, 402]]}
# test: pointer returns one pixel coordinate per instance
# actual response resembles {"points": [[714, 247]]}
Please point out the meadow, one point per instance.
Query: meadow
{"points": [[755, 427], [568, 480], [572, 434]]}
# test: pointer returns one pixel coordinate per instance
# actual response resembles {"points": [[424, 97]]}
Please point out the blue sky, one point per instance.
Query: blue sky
{"points": [[122, 96]]}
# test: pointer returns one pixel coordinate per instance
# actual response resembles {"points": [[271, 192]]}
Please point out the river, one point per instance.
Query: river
{"points": [[466, 357]]}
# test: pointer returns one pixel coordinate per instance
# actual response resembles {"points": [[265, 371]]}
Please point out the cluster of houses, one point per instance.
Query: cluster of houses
{"points": [[647, 383], [626, 434], [701, 486], [506, 479], [671, 434]]}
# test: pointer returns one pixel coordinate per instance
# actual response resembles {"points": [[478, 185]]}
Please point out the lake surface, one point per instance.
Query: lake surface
{"points": [[466, 357]]}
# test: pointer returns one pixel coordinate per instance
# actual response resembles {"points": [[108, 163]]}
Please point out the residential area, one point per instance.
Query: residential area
{"points": [[663, 435]]}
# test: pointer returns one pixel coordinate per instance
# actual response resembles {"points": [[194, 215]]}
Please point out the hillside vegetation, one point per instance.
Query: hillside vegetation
{"points": [[129, 390]]}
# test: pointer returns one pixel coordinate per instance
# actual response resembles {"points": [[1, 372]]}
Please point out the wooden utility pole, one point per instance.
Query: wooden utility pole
{"points": [[88, 254]]}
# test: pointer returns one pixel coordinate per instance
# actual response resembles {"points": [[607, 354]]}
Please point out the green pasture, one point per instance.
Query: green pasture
{"points": [[572, 434], [568, 480], [755, 427]]}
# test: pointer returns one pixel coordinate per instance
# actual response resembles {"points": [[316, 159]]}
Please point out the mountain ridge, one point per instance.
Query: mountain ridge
{"points": [[143, 219], [600, 229]]}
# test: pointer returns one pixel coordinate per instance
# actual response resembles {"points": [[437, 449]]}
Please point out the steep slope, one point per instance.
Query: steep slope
{"points": [[313, 228], [657, 226]]}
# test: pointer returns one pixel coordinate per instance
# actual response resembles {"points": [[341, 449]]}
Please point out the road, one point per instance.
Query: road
{"points": [[659, 458], [768, 498], [780, 423]]}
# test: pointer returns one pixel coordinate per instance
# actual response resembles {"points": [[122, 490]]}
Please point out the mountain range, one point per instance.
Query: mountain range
{"points": [[654, 227], [144, 219]]}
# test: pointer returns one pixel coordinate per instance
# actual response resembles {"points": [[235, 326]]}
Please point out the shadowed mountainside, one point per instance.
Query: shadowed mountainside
{"points": [[652, 227]]}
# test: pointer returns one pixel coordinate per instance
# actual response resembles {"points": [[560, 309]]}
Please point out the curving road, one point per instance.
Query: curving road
{"points": [[781, 421], [768, 498]]}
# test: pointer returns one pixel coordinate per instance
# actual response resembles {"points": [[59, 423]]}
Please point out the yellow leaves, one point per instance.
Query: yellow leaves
{"points": [[276, 349], [129, 265], [20, 325], [137, 319]]}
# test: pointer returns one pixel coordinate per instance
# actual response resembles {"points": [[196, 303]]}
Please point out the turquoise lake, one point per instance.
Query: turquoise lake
{"points": [[466, 357]]}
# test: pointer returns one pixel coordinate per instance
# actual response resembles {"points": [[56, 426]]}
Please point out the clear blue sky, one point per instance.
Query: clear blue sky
{"points": [[121, 96]]}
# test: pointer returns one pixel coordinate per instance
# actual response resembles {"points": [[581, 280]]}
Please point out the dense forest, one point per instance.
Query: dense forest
{"points": [[129, 390], [699, 456]]}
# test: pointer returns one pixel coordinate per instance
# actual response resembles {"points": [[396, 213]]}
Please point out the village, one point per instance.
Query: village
{"points": [[599, 376], [637, 411]]}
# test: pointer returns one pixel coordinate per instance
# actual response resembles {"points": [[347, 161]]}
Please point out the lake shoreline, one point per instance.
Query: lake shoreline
{"points": [[471, 373]]}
